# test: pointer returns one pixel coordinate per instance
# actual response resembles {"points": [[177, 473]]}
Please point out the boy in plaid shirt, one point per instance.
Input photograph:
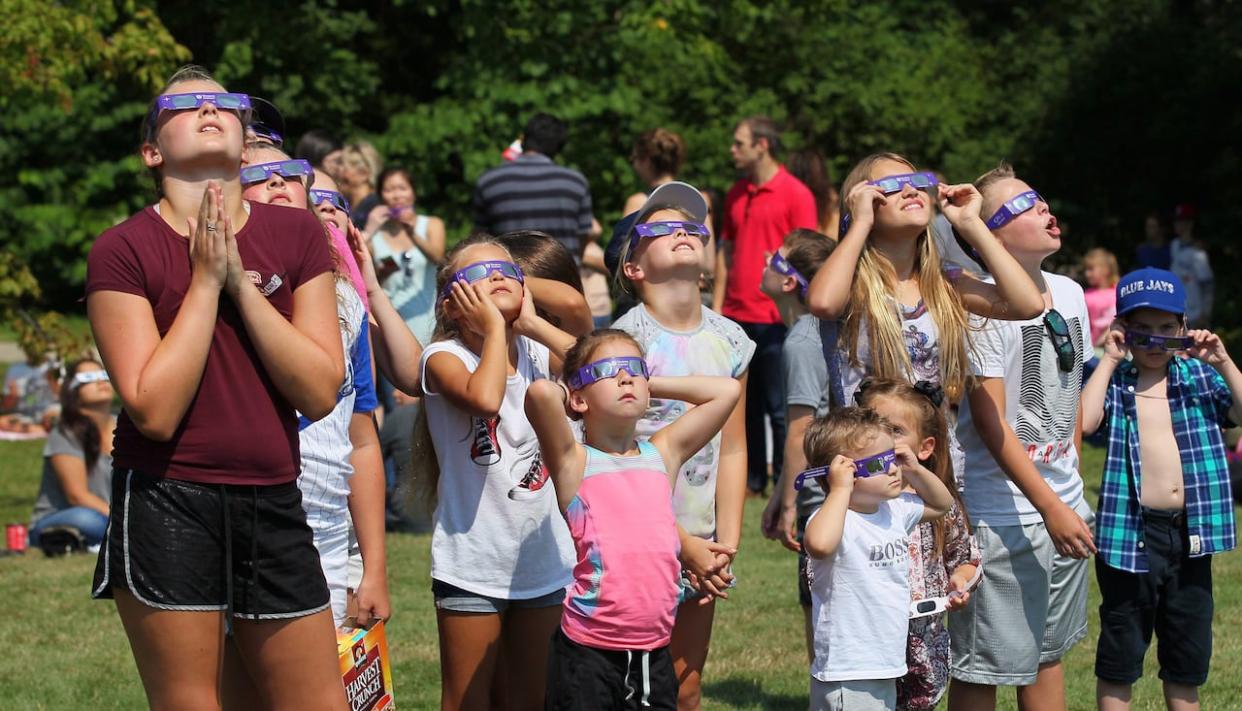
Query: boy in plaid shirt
{"points": [[1165, 504]]}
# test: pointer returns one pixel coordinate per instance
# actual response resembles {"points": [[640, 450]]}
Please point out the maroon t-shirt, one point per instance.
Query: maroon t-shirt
{"points": [[238, 429]]}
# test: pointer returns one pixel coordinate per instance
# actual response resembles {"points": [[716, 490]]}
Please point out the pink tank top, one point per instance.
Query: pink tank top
{"points": [[626, 580], [351, 264]]}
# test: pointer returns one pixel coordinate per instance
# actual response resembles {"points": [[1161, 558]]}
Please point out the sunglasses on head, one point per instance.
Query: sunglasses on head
{"points": [[895, 183], [662, 229], [608, 368], [479, 271], [1062, 341], [863, 468], [780, 265], [296, 169], [1013, 208], [1153, 342], [93, 376], [338, 200]]}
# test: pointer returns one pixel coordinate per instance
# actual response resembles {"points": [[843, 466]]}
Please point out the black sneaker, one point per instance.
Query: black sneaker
{"points": [[56, 541]]}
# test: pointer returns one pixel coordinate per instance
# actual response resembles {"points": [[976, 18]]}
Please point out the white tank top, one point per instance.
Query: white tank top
{"points": [[482, 540]]}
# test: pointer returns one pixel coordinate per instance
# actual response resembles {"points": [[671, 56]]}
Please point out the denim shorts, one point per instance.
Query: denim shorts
{"points": [[454, 599]]}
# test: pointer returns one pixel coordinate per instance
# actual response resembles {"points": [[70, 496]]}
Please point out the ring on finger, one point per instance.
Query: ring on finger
{"points": [[211, 227]]}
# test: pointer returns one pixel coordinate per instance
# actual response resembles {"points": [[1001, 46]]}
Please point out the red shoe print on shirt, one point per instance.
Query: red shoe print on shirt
{"points": [[485, 450], [531, 484]]}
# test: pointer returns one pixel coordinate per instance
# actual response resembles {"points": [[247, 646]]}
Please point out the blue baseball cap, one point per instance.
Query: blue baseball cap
{"points": [[1151, 288]]}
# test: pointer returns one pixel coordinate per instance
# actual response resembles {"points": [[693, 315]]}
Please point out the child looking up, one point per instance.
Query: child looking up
{"points": [[1165, 503], [807, 391], [1019, 429], [500, 557], [662, 259], [858, 543], [615, 492], [943, 555]]}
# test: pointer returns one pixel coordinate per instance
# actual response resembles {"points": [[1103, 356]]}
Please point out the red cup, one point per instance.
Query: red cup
{"points": [[16, 535]]}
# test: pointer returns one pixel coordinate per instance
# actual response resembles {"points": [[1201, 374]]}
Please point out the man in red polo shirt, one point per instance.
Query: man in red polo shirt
{"points": [[760, 209]]}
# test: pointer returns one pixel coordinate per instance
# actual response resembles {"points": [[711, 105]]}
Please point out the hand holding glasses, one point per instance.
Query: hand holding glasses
{"points": [[934, 605], [863, 468]]}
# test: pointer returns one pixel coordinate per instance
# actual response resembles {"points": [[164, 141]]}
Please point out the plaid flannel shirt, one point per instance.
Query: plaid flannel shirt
{"points": [[1199, 402]]}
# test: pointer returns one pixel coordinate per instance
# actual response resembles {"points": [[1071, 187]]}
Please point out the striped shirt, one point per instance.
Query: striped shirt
{"points": [[533, 193], [325, 444], [1199, 402]]}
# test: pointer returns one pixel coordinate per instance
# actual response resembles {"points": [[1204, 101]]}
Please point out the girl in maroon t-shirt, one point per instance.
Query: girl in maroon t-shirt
{"points": [[216, 320]]}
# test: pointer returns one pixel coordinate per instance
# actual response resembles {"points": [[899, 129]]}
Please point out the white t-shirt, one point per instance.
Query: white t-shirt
{"points": [[1190, 263], [482, 540], [1041, 407], [860, 596]]}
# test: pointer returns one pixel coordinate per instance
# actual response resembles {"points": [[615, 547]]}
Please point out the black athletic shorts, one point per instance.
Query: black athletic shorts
{"points": [[1174, 599], [178, 545], [584, 678]]}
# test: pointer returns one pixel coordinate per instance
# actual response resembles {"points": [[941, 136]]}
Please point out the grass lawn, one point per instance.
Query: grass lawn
{"points": [[66, 651]]}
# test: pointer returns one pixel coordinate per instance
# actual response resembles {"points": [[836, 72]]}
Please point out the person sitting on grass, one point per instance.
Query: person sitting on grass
{"points": [[75, 491], [1164, 505]]}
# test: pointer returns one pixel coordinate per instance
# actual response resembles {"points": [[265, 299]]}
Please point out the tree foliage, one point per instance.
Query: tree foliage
{"points": [[1111, 108]]}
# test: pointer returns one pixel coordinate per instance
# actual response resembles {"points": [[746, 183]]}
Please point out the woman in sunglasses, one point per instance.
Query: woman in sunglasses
{"points": [[615, 492], [77, 459], [500, 555], [216, 320], [342, 472]]}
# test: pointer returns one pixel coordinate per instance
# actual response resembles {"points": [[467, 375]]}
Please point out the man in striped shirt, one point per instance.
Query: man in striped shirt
{"points": [[534, 193]]}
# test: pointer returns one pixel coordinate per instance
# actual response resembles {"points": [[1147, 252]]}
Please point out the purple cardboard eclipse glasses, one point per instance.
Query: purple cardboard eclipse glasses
{"points": [[479, 271], [288, 169], [780, 265], [863, 468], [1153, 342], [891, 184], [1013, 208], [338, 200], [608, 368], [661, 229], [238, 103], [896, 183]]}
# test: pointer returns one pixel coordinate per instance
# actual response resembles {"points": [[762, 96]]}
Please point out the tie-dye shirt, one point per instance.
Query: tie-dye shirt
{"points": [[717, 347]]}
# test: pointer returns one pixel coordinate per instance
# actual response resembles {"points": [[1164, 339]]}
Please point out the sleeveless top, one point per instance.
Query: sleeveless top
{"points": [[412, 288], [624, 594]]}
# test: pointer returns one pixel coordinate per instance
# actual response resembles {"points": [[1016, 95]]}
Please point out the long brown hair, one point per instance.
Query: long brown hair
{"points": [[76, 424], [426, 465], [872, 300], [931, 423]]}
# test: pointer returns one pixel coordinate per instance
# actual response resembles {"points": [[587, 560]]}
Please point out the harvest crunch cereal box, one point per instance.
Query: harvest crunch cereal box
{"points": [[365, 669]]}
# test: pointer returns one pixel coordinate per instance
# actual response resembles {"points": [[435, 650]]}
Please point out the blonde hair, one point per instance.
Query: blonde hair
{"points": [[872, 301], [425, 464], [620, 279], [844, 430], [1099, 255], [985, 182], [931, 423], [361, 155]]}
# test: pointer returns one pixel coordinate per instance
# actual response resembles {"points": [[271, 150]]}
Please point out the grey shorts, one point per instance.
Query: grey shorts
{"points": [[854, 695], [454, 599], [1030, 608]]}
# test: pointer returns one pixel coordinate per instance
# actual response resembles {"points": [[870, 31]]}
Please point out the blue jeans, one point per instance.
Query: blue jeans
{"points": [[88, 521], [765, 395]]}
